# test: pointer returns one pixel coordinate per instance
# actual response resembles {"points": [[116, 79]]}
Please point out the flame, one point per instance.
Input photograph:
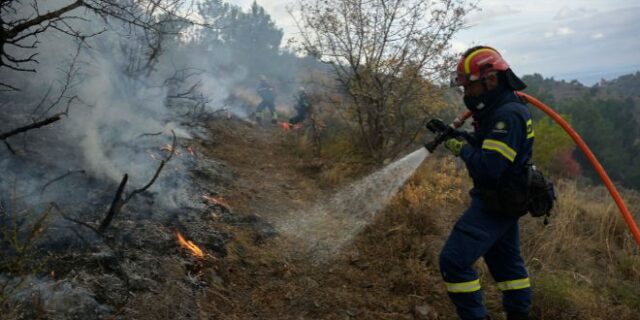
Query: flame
{"points": [[285, 126], [195, 250], [191, 151]]}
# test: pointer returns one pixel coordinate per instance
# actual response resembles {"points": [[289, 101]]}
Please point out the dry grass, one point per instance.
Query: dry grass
{"points": [[584, 264]]}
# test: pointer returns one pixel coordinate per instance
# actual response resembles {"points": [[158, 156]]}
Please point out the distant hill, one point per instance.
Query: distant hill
{"points": [[626, 86]]}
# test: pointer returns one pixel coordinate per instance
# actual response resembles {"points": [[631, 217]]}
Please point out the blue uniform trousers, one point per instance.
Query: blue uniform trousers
{"points": [[479, 233]]}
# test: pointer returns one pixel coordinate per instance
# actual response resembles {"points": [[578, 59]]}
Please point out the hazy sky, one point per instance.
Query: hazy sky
{"points": [[567, 39]]}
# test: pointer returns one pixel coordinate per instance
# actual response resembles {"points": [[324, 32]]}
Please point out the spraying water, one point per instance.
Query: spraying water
{"points": [[326, 227]]}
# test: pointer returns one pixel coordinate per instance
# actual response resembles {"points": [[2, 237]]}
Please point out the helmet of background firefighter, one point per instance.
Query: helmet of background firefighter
{"points": [[481, 61]]}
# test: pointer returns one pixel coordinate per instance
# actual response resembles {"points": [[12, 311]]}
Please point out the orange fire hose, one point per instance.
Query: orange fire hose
{"points": [[626, 214]]}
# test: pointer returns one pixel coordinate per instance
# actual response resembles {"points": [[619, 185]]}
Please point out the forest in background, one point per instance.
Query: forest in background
{"points": [[606, 115]]}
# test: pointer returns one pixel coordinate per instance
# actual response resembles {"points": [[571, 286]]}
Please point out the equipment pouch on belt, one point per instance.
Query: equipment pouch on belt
{"points": [[536, 195], [542, 194]]}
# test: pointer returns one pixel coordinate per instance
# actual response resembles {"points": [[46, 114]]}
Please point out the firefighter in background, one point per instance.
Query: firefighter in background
{"points": [[268, 95], [302, 107], [496, 155]]}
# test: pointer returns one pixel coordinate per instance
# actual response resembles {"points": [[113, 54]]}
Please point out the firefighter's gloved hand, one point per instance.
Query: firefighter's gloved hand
{"points": [[454, 145]]}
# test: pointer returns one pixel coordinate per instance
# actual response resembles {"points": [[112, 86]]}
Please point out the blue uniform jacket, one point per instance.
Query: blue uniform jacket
{"points": [[502, 145]]}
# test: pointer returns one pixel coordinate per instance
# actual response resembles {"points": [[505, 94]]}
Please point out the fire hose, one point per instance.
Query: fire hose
{"points": [[447, 132]]}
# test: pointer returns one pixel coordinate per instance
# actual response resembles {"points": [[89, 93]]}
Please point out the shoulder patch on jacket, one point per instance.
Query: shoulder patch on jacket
{"points": [[500, 127]]}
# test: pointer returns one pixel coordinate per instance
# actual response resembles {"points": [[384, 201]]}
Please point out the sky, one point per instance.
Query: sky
{"points": [[586, 40]]}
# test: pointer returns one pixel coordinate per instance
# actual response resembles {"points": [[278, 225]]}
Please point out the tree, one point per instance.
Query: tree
{"points": [[23, 21], [381, 52], [554, 151], [251, 37]]}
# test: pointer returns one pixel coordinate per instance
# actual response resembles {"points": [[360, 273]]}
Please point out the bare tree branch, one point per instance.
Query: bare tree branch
{"points": [[38, 20], [158, 17]]}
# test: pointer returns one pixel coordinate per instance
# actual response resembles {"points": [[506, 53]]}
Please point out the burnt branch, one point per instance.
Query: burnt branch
{"points": [[187, 94], [160, 167], [60, 178], [119, 202], [150, 134], [116, 205], [6, 143], [76, 221], [35, 125]]}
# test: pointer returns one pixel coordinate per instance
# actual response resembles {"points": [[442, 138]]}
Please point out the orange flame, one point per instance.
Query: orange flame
{"points": [[191, 151], [195, 250], [285, 126]]}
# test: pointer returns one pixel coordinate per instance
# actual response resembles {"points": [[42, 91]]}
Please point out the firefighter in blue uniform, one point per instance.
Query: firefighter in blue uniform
{"points": [[268, 95], [496, 155], [302, 107]]}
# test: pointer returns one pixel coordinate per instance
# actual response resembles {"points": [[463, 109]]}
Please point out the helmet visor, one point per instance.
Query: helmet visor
{"points": [[458, 79]]}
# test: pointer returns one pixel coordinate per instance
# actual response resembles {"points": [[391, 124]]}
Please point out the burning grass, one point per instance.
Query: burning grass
{"points": [[189, 245]]}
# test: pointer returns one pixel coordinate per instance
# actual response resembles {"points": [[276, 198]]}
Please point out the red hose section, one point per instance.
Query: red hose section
{"points": [[459, 121], [633, 227]]}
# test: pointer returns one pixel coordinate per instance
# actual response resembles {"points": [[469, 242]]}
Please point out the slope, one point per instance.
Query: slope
{"points": [[271, 276]]}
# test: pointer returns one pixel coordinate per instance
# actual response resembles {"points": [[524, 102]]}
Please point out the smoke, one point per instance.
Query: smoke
{"points": [[331, 223], [120, 118], [122, 108]]}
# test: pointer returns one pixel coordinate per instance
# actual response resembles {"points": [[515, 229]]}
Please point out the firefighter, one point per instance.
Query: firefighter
{"points": [[302, 107], [268, 95], [496, 155]]}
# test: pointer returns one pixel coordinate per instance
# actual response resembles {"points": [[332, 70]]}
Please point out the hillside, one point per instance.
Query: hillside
{"points": [[138, 183], [267, 239], [389, 268], [626, 86]]}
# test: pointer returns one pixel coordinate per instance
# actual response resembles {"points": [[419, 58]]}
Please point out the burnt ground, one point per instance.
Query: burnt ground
{"points": [[236, 188], [265, 275]]}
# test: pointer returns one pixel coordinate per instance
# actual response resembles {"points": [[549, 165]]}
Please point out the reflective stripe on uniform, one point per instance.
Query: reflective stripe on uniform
{"points": [[463, 287], [514, 284], [530, 133], [500, 147]]}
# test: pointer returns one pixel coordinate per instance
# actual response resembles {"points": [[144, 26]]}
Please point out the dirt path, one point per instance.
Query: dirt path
{"points": [[267, 181], [273, 278], [264, 279]]}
